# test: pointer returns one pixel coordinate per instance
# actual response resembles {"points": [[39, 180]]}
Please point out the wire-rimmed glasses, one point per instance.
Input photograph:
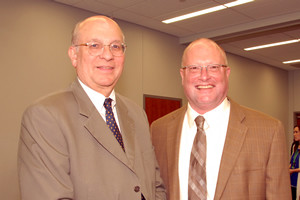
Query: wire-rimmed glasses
{"points": [[96, 48], [210, 68]]}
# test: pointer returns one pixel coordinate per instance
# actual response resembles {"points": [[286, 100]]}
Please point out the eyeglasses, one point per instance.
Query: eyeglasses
{"points": [[211, 68], [96, 48]]}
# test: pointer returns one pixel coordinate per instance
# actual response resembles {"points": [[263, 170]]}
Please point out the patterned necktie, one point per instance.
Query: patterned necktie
{"points": [[197, 173], [111, 122]]}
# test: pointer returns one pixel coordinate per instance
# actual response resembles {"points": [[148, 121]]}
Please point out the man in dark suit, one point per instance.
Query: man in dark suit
{"points": [[69, 150], [245, 150]]}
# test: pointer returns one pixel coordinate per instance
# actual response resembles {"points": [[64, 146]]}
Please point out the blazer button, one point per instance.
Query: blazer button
{"points": [[137, 188]]}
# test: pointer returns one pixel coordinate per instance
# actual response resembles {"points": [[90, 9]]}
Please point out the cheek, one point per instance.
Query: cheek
{"points": [[222, 81], [88, 62], [120, 62], [187, 85], [190, 80]]}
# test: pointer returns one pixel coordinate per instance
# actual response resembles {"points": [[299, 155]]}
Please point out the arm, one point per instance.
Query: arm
{"points": [[43, 161], [294, 170], [160, 190], [277, 172], [160, 193]]}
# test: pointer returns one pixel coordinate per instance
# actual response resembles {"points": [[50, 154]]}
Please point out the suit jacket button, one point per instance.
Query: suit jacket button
{"points": [[137, 188]]}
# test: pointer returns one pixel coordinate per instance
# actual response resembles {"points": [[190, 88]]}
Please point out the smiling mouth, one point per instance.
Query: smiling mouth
{"points": [[204, 86], [104, 67]]}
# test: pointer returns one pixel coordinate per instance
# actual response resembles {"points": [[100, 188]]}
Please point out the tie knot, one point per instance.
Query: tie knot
{"points": [[199, 121], [107, 103]]}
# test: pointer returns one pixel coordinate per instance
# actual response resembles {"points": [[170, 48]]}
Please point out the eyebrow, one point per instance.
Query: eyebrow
{"points": [[96, 40]]}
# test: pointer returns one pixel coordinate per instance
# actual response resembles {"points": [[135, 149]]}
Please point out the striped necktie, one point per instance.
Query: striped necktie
{"points": [[197, 189]]}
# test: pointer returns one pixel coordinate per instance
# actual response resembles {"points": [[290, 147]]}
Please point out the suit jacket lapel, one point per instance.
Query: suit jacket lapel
{"points": [[173, 143], [95, 125], [235, 137], [127, 127]]}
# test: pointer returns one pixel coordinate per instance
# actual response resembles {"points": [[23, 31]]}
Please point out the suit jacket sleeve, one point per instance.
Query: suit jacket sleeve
{"points": [[277, 180], [43, 158]]}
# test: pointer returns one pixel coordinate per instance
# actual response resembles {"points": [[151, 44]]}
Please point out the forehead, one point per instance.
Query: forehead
{"points": [[204, 53], [100, 30]]}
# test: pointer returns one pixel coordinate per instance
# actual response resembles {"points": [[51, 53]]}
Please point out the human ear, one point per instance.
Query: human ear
{"points": [[72, 52]]}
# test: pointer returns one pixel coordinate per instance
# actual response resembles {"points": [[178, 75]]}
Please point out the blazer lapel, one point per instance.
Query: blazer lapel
{"points": [[100, 131], [173, 143], [127, 127], [95, 124], [235, 137]]}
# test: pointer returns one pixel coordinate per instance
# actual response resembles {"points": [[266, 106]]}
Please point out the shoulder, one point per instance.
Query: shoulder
{"points": [[132, 109], [128, 105], [52, 102], [176, 116], [251, 116], [126, 101]]}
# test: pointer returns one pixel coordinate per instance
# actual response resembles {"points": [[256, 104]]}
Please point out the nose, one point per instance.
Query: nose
{"points": [[106, 53], [204, 73]]}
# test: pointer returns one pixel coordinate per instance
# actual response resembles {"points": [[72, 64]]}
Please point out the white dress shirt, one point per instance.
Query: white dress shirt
{"points": [[98, 101], [215, 127]]}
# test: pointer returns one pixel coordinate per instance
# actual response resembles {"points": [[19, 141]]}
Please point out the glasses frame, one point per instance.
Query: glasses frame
{"points": [[89, 44], [198, 68]]}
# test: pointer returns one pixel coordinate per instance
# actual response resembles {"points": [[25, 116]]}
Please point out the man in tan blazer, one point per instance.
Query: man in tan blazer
{"points": [[246, 149], [66, 149]]}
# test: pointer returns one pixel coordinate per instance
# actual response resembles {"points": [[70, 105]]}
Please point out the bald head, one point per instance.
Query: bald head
{"points": [[98, 19], [203, 44]]}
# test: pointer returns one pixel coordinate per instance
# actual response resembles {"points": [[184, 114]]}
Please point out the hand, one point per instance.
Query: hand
{"points": [[294, 170]]}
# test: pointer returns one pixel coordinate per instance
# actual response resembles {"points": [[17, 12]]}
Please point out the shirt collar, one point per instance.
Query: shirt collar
{"points": [[211, 116], [96, 97]]}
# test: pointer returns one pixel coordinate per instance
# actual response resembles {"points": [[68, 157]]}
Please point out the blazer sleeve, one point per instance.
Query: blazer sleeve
{"points": [[277, 172], [160, 190], [43, 161]]}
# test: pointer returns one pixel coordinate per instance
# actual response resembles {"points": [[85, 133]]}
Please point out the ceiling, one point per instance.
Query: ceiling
{"points": [[254, 23]]}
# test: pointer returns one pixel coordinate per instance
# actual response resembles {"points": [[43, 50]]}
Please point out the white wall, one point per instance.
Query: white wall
{"points": [[259, 86], [152, 64], [35, 35]]}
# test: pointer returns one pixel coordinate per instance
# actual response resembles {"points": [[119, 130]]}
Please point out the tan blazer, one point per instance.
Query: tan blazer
{"points": [[254, 164], [66, 151]]}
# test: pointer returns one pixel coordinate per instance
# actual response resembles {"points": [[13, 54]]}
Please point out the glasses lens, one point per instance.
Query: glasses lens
{"points": [[213, 67], [117, 49], [95, 48], [194, 69]]}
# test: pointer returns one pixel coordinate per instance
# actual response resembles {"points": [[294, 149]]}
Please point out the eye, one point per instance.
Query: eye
{"points": [[193, 67], [116, 47], [95, 46], [213, 67]]}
